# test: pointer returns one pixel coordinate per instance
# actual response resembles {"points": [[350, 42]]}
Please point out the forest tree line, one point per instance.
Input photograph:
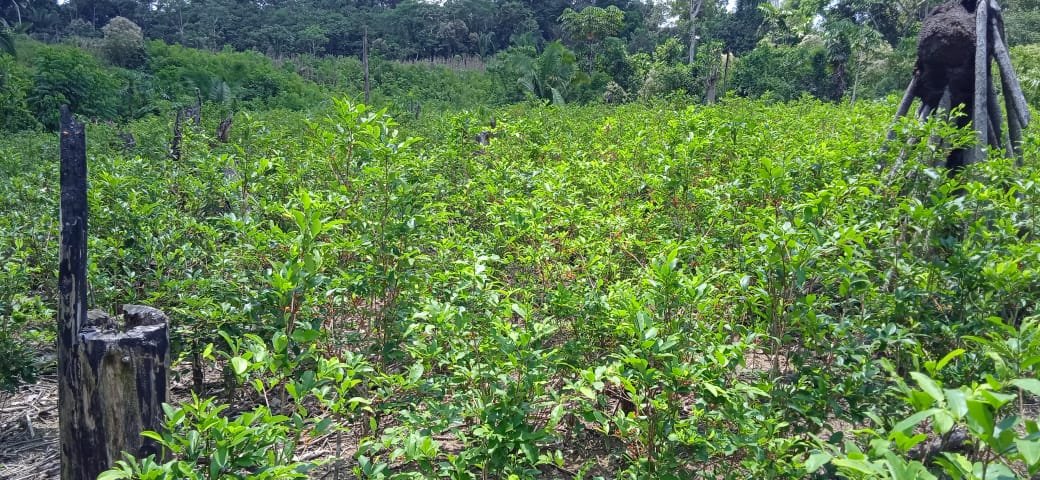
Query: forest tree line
{"points": [[284, 54]]}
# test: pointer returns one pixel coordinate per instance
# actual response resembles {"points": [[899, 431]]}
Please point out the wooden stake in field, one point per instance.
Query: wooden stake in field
{"points": [[112, 372]]}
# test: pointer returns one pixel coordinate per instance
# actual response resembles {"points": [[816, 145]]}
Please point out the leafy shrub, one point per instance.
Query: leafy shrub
{"points": [[15, 82], [207, 445], [664, 79], [785, 73], [79, 27], [248, 77], [68, 75], [21, 316], [552, 75], [973, 432], [123, 44], [1023, 25], [670, 52], [614, 94], [613, 60], [17, 357]]}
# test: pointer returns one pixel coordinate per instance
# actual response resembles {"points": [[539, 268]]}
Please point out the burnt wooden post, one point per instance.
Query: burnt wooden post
{"points": [[112, 377], [196, 113], [72, 284], [175, 143], [224, 129]]}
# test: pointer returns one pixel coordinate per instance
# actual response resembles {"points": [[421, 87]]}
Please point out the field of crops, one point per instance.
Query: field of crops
{"points": [[739, 291]]}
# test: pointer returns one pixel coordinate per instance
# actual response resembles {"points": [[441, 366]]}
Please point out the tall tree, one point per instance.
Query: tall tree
{"points": [[695, 10], [590, 26], [741, 30]]}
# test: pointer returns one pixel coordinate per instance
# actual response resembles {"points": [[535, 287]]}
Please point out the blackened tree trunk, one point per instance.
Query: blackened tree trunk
{"points": [[112, 376], [72, 291]]}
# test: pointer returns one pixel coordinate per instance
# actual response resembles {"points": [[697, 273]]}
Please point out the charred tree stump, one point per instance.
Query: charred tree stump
{"points": [[178, 136], [129, 142], [72, 292], [224, 129], [122, 365], [944, 69], [112, 374], [196, 111]]}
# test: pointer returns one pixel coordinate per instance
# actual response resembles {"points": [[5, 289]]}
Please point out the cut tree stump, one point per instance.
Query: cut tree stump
{"points": [[112, 372], [122, 374]]}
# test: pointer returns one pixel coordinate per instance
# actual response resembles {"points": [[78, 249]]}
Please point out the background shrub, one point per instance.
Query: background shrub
{"points": [[124, 43]]}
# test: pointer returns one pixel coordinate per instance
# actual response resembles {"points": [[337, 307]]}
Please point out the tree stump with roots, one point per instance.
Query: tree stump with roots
{"points": [[958, 43]]}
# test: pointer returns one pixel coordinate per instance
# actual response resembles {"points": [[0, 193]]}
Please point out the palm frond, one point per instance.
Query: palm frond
{"points": [[7, 43]]}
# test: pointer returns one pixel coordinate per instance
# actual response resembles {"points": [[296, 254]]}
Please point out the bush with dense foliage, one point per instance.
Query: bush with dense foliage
{"points": [[249, 77], [15, 81], [782, 73], [165, 77], [123, 44], [64, 75]]}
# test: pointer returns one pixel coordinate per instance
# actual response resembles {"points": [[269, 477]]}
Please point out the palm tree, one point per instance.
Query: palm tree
{"points": [[590, 26], [17, 11], [6, 38], [552, 75]]}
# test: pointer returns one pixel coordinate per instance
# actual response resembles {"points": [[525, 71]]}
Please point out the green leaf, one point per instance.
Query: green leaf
{"points": [[169, 410], [280, 342], [996, 399], [955, 465], [817, 460], [928, 385], [910, 422], [943, 421], [530, 451], [994, 471], [905, 442], [239, 365], [856, 465], [979, 418], [897, 467], [415, 372], [220, 458], [1030, 450], [1030, 385], [322, 426], [305, 335], [956, 401], [354, 402], [112, 475], [948, 358]]}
